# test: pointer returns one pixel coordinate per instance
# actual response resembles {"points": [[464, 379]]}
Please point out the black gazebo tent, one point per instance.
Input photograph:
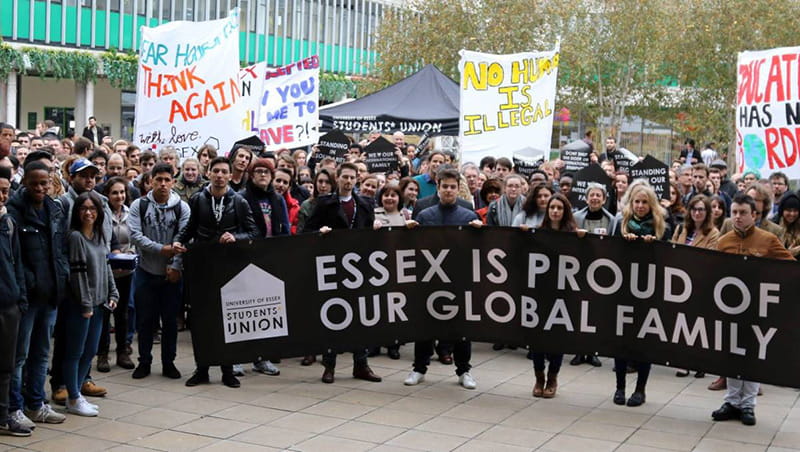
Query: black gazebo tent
{"points": [[423, 103]]}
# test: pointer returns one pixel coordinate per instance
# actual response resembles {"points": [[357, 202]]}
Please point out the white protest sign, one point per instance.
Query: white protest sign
{"points": [[768, 112], [188, 88], [289, 108], [506, 103], [252, 80]]}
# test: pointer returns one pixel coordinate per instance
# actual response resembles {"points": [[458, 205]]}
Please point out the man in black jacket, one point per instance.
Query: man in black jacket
{"points": [[344, 210], [12, 304], [93, 132], [433, 199], [42, 226], [218, 215]]}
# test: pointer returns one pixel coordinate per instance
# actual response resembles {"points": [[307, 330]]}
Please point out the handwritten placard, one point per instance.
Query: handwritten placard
{"points": [[289, 108], [188, 87], [506, 102]]}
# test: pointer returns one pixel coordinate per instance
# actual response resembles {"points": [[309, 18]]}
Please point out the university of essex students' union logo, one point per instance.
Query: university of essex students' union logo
{"points": [[253, 306]]}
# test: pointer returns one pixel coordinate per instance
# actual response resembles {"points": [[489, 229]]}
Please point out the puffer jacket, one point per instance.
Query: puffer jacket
{"points": [[45, 249]]}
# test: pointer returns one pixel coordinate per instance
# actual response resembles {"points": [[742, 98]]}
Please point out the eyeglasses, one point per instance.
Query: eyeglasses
{"points": [[261, 171], [698, 209], [88, 209]]}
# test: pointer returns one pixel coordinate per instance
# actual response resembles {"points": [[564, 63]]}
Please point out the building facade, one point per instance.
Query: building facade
{"points": [[279, 32]]}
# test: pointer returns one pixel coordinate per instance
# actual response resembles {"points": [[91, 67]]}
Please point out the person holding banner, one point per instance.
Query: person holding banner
{"points": [[445, 213], [763, 199], [642, 217], [218, 214], [697, 230], [344, 210], [409, 190], [535, 207], [746, 239], [503, 211], [596, 219], [558, 217], [271, 218]]}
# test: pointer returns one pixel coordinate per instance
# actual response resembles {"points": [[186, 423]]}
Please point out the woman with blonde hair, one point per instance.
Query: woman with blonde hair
{"points": [[642, 217]]}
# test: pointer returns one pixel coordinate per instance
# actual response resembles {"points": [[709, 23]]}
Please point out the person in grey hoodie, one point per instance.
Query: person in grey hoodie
{"points": [[92, 290], [82, 178], [154, 222]]}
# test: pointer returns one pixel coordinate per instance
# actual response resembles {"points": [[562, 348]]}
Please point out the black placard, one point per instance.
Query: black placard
{"points": [[621, 162], [524, 166], [592, 173], [641, 301], [333, 144], [380, 156], [575, 156], [654, 171]]}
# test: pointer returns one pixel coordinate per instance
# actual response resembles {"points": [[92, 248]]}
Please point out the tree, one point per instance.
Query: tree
{"points": [[434, 31], [611, 52], [705, 50]]}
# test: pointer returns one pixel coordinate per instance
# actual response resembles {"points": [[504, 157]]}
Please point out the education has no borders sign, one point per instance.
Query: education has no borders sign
{"points": [[554, 291], [768, 112]]}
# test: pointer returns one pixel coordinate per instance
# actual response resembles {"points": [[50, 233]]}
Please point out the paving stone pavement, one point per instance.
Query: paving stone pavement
{"points": [[297, 412]]}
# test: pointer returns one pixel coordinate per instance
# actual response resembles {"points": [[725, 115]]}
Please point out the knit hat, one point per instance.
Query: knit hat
{"points": [[790, 202]]}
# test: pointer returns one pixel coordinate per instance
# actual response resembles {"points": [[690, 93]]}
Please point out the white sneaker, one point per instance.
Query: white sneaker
{"points": [[467, 381], [46, 415], [21, 419], [238, 370], [414, 378], [81, 407], [96, 407], [265, 367]]}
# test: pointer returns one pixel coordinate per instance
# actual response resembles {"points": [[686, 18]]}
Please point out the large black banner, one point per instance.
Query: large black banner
{"points": [[662, 303]]}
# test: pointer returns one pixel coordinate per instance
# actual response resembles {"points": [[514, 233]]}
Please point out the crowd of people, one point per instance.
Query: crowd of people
{"points": [[92, 233]]}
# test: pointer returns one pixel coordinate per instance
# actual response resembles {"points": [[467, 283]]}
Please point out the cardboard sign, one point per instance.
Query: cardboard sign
{"points": [[592, 173], [381, 156], [525, 165], [575, 156], [654, 171], [333, 144]]}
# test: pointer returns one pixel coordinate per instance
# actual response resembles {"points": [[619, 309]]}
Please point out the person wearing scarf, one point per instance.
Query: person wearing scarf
{"points": [[502, 211], [642, 218]]}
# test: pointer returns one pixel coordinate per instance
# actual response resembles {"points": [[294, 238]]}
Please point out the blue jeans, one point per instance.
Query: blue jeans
{"points": [[156, 298], [80, 345], [33, 350], [131, 312]]}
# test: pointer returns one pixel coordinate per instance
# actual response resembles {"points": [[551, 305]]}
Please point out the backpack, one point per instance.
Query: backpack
{"points": [[144, 203]]}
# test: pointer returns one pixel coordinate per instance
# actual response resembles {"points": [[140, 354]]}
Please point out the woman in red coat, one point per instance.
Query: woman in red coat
{"points": [[282, 183]]}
